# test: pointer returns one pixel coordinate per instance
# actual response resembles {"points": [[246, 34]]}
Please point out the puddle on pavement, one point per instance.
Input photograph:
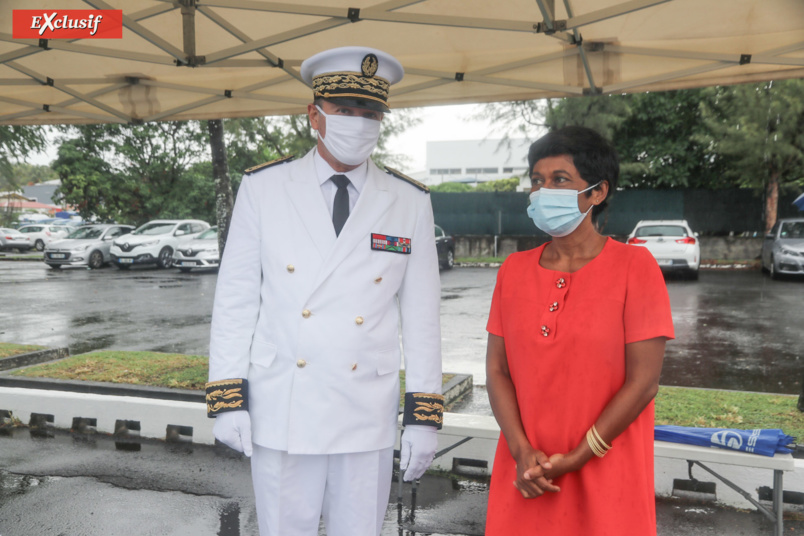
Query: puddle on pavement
{"points": [[230, 520], [91, 344], [450, 296], [79, 321]]}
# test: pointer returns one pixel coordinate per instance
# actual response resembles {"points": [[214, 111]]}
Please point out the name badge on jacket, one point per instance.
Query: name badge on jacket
{"points": [[394, 244]]}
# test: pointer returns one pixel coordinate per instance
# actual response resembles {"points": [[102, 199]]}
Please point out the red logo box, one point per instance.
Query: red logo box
{"points": [[68, 24]]}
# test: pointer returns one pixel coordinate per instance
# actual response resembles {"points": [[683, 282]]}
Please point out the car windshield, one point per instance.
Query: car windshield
{"points": [[85, 233], [661, 230], [792, 229], [154, 229], [209, 234]]}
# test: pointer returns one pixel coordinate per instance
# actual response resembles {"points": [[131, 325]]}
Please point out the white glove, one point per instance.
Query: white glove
{"points": [[233, 428], [416, 450]]}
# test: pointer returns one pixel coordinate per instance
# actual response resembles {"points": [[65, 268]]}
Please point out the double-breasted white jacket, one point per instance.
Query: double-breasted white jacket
{"points": [[315, 321]]}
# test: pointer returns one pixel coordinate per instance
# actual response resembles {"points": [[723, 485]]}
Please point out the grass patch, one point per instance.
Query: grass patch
{"points": [[705, 408], [135, 368], [8, 349], [141, 368]]}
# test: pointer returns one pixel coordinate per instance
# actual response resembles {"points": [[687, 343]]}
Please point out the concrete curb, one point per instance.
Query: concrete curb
{"points": [[103, 388], [128, 411], [33, 358]]}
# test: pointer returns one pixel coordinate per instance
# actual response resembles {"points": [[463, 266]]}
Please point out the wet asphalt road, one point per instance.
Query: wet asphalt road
{"points": [[63, 486], [734, 329]]}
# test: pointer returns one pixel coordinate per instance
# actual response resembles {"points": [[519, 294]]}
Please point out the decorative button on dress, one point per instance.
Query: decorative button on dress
{"points": [[565, 337]]}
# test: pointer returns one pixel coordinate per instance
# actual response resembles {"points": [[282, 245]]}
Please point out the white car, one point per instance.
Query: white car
{"points": [[154, 242], [673, 244], [13, 239], [200, 252], [783, 248], [86, 246], [42, 234]]}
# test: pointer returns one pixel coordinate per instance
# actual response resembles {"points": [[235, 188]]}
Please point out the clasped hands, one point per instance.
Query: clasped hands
{"points": [[536, 471]]}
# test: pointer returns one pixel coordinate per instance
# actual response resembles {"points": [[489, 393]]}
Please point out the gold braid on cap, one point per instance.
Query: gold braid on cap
{"points": [[424, 408], [334, 85], [226, 395]]}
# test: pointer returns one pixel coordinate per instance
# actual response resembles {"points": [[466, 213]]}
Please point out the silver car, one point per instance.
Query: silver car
{"points": [[200, 252], [13, 239], [783, 248], [86, 246]]}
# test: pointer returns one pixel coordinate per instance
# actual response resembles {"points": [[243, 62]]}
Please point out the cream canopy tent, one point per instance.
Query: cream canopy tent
{"points": [[205, 59]]}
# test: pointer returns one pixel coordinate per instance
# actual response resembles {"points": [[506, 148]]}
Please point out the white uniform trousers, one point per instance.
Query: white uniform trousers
{"points": [[293, 491]]}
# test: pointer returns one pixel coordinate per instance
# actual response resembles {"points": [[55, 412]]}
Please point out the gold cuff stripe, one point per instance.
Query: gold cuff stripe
{"points": [[424, 408], [226, 395]]}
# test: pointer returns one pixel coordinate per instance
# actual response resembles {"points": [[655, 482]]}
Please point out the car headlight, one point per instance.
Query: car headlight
{"points": [[82, 248], [786, 251], [150, 243]]}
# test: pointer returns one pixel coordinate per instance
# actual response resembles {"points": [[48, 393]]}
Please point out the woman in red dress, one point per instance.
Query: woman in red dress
{"points": [[577, 332]]}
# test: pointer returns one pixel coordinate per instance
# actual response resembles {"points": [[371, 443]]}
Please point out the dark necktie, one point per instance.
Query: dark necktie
{"points": [[340, 209]]}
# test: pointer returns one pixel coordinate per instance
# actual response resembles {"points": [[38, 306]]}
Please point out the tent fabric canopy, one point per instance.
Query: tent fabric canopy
{"points": [[208, 59]]}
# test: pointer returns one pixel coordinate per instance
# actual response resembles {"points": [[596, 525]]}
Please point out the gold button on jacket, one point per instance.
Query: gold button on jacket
{"points": [[301, 363], [291, 268], [359, 320], [306, 313]]}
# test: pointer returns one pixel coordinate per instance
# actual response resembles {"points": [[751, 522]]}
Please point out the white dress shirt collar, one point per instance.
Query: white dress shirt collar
{"points": [[324, 171]]}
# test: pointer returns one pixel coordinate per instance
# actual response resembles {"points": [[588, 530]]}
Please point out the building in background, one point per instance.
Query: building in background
{"points": [[476, 161], [42, 192]]}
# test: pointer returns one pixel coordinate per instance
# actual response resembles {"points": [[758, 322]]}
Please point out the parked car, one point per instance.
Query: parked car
{"points": [[13, 239], [783, 248], [445, 246], [86, 246], [198, 252], [154, 242], [43, 234], [673, 244]]}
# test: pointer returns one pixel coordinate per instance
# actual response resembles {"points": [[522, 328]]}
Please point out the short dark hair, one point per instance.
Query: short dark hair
{"points": [[593, 156]]}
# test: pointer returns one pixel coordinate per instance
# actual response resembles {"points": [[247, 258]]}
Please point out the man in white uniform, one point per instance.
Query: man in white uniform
{"points": [[328, 260]]}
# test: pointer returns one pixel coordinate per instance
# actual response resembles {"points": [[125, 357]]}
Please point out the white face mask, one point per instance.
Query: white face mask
{"points": [[350, 139]]}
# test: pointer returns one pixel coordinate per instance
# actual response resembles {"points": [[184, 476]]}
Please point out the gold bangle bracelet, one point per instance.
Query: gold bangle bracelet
{"points": [[592, 442], [599, 437]]}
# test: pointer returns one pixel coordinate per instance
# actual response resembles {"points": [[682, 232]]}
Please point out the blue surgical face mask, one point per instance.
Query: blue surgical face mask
{"points": [[556, 211]]}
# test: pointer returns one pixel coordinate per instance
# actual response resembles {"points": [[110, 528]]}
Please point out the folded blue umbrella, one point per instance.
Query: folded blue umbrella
{"points": [[799, 202], [766, 442]]}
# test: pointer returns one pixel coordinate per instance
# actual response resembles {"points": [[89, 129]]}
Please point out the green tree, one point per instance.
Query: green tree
{"points": [[135, 173], [759, 130], [16, 142], [659, 142], [452, 187], [500, 185], [25, 174]]}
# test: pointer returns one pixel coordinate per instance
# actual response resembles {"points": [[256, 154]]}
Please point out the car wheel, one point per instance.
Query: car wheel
{"points": [[449, 262], [123, 266], [772, 269], [95, 260], [185, 270], [165, 258], [39, 245]]}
